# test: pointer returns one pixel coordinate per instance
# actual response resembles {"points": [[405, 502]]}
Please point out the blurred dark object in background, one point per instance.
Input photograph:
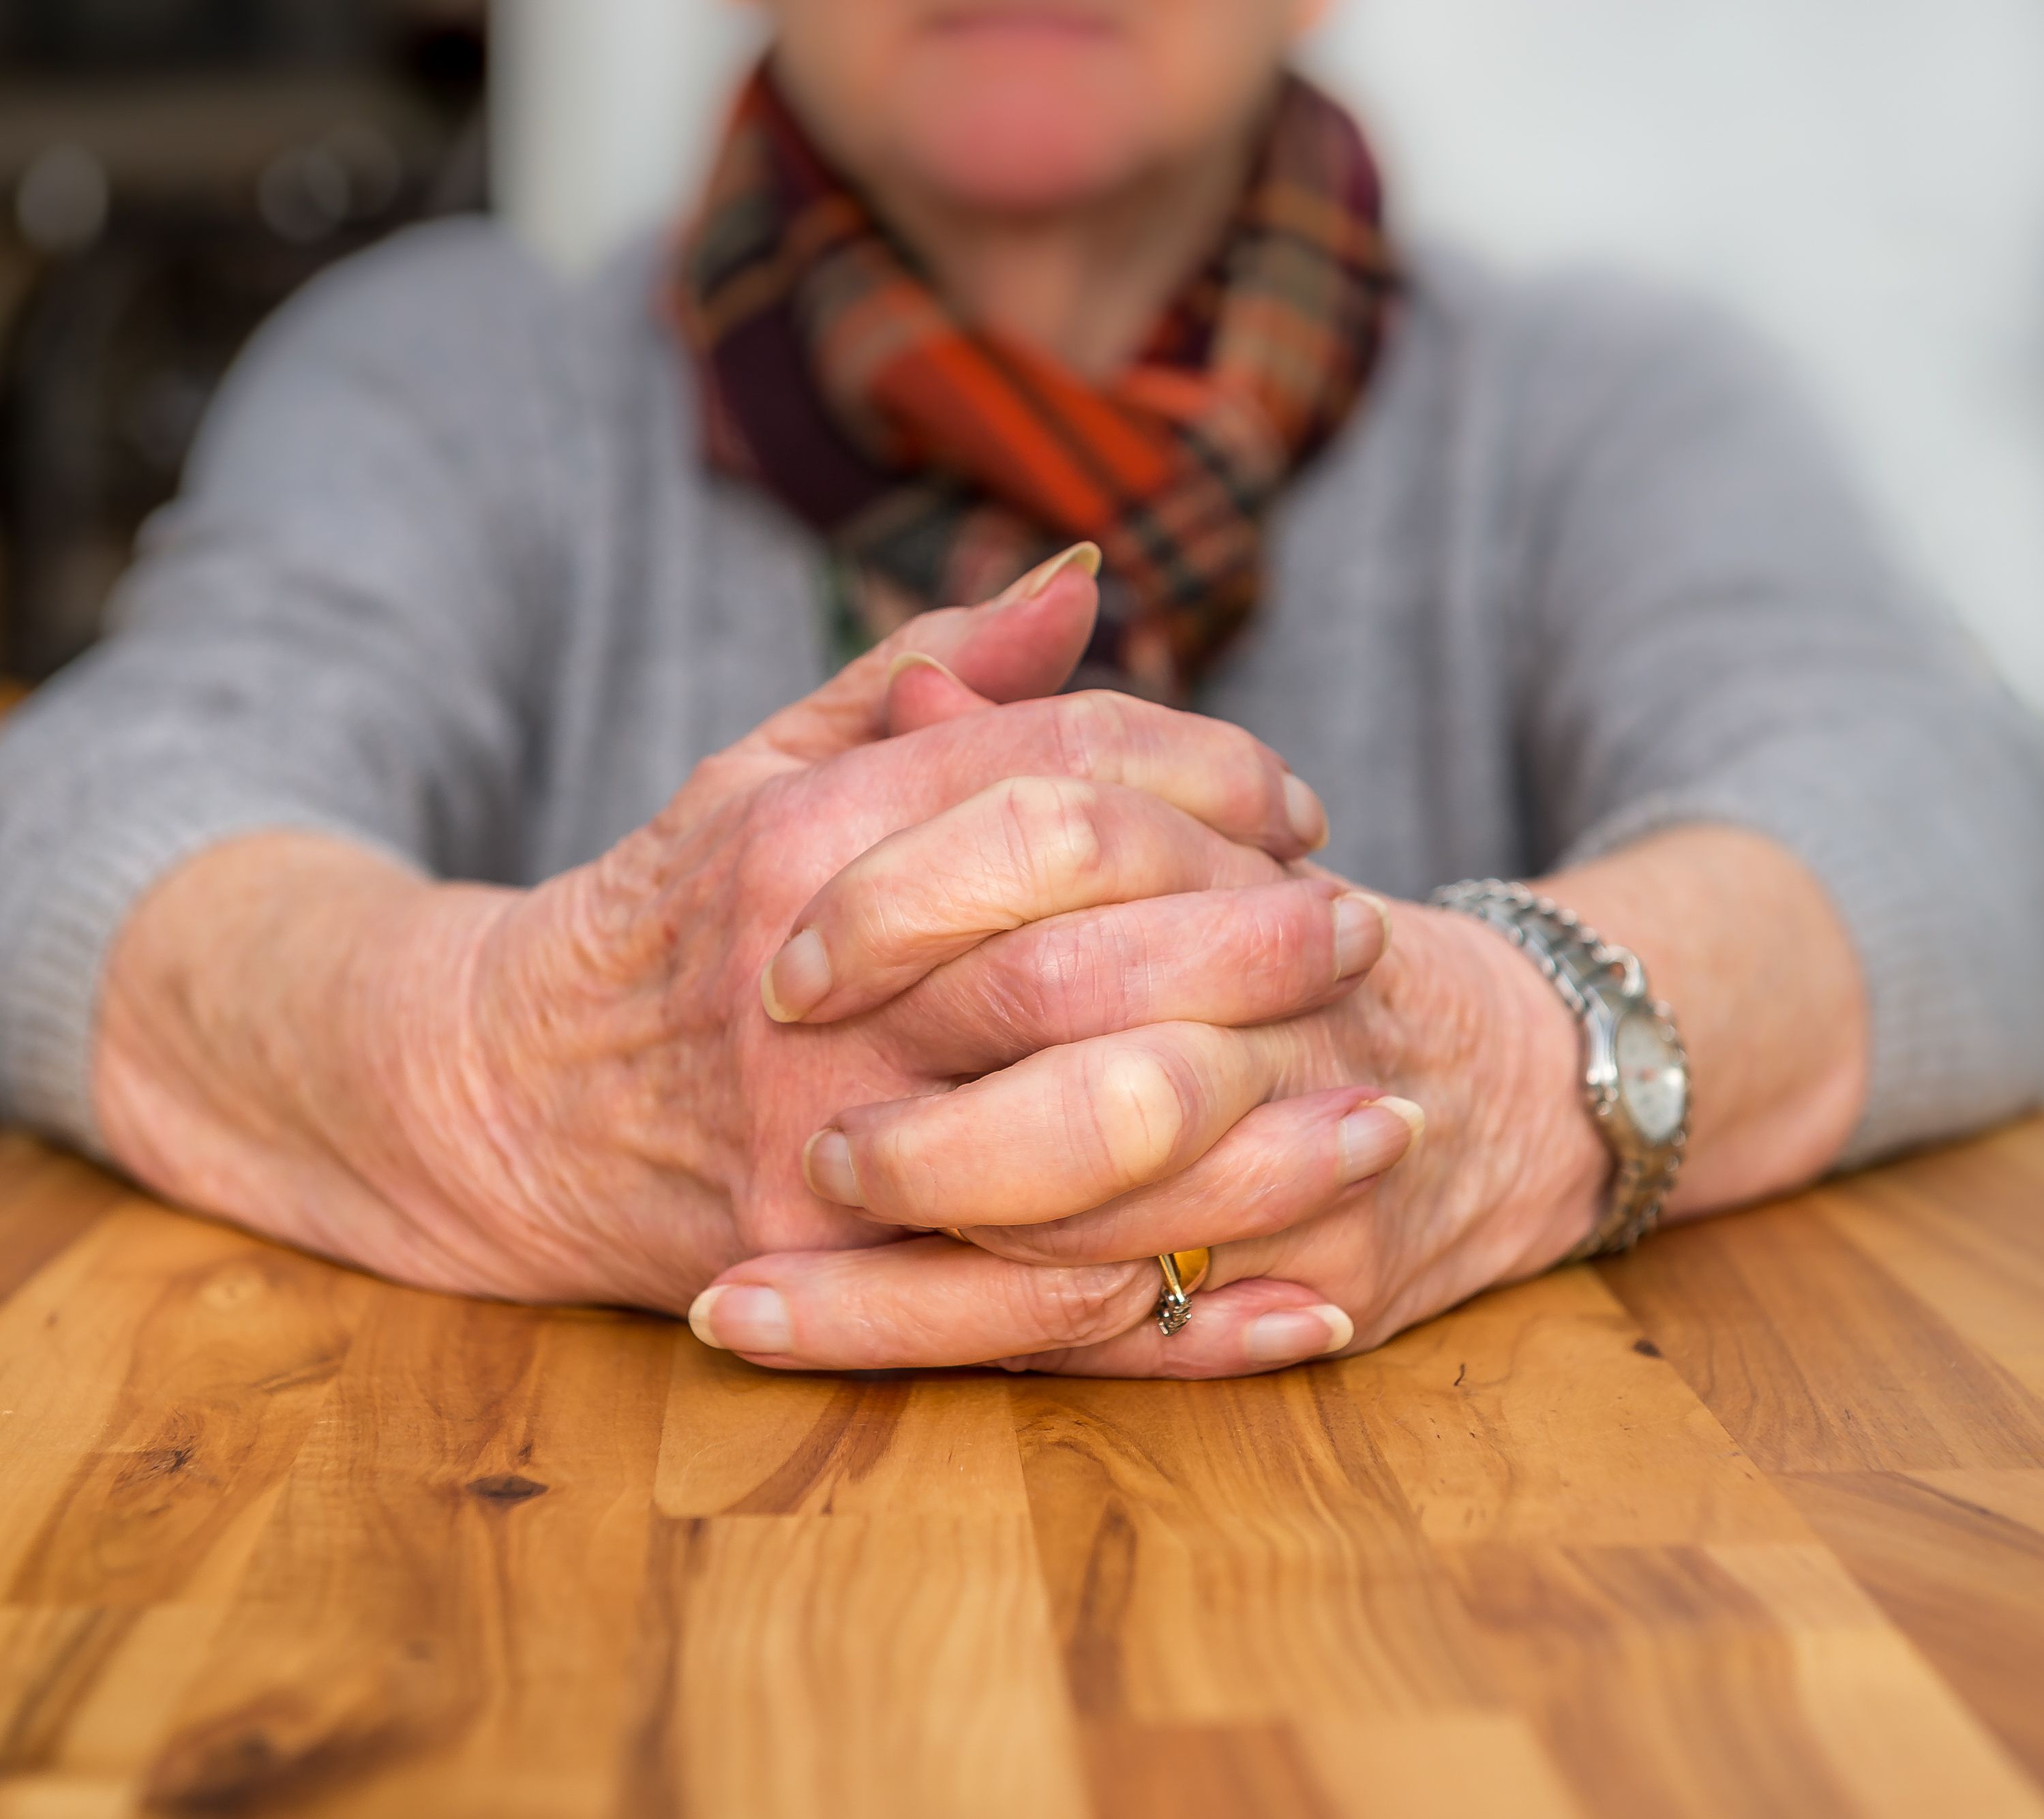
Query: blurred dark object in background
{"points": [[171, 170]]}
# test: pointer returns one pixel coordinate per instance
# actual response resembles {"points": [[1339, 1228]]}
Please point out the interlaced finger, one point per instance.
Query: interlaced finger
{"points": [[928, 1303], [1233, 957], [1022, 850], [1214, 772], [1058, 1133], [1282, 1165]]}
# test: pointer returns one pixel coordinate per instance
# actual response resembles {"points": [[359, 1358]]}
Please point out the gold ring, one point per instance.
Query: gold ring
{"points": [[1184, 1272]]}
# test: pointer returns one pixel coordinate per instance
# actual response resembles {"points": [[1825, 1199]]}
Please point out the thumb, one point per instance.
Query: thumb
{"points": [[1023, 644], [921, 692]]}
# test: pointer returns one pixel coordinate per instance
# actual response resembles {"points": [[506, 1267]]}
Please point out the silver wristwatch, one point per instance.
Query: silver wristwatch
{"points": [[1636, 1071]]}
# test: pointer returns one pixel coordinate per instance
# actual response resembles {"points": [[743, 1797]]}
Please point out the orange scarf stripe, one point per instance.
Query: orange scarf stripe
{"points": [[972, 422], [1131, 450]]}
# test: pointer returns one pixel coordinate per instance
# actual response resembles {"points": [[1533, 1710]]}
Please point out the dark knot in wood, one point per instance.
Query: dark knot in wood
{"points": [[506, 1487]]}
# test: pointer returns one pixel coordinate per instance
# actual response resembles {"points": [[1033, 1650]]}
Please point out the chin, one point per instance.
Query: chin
{"points": [[1025, 134]]}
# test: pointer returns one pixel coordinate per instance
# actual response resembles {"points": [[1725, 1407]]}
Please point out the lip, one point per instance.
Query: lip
{"points": [[1022, 20]]}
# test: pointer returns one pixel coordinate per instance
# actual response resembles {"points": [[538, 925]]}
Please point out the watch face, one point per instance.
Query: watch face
{"points": [[1652, 1085]]}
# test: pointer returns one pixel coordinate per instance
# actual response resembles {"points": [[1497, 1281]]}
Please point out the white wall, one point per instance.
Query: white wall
{"points": [[1864, 178], [602, 111]]}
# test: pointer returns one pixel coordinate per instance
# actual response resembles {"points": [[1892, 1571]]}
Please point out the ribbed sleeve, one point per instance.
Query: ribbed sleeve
{"points": [[449, 580], [1716, 634], [334, 629], [68, 903]]}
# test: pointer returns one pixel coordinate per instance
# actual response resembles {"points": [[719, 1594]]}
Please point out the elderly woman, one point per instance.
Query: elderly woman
{"points": [[346, 892]]}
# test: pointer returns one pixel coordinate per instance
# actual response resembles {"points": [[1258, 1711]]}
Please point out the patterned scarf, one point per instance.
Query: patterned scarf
{"points": [[941, 461]]}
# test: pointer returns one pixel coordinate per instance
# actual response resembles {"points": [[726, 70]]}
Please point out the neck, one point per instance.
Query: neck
{"points": [[1088, 284]]}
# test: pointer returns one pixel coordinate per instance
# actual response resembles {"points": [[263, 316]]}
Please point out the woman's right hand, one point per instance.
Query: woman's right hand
{"points": [[576, 1092]]}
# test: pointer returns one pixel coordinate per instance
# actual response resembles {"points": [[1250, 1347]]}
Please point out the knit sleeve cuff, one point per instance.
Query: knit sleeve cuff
{"points": [[92, 882], [1934, 1068]]}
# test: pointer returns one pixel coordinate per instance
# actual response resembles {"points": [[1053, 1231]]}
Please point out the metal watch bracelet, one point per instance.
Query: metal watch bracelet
{"points": [[1598, 982]]}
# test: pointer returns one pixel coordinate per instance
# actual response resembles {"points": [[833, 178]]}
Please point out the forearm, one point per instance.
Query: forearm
{"points": [[277, 1025], [1742, 943]]}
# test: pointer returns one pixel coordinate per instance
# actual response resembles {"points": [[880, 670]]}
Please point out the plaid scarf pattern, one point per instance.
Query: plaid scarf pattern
{"points": [[942, 460]]}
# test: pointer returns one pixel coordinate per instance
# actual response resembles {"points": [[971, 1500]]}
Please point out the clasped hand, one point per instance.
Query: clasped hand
{"points": [[934, 948]]}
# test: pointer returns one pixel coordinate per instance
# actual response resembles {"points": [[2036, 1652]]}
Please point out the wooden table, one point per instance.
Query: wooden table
{"points": [[1751, 1522]]}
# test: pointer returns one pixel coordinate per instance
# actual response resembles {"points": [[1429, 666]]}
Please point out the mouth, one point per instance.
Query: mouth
{"points": [[1050, 23]]}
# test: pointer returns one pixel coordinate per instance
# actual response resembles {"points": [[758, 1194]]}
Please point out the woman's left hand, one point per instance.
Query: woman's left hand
{"points": [[1243, 1151]]}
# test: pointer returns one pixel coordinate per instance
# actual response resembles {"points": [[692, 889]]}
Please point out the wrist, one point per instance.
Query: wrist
{"points": [[267, 1014], [1740, 939], [1470, 1029], [414, 1094]]}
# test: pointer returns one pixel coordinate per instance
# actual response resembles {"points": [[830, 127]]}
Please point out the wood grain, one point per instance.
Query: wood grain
{"points": [[1816, 1359], [1553, 1417], [490, 1469], [1219, 1551], [1955, 1559], [903, 1664], [51, 1201], [1751, 1522]]}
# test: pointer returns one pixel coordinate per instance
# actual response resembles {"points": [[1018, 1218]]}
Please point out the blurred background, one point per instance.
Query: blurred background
{"points": [[173, 169], [1862, 178]]}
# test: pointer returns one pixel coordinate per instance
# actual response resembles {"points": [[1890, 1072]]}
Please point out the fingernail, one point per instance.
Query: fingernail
{"points": [[1297, 1333], [1303, 810], [1085, 556], [742, 1316], [1358, 917], [827, 1165], [796, 979], [918, 660], [1375, 1136]]}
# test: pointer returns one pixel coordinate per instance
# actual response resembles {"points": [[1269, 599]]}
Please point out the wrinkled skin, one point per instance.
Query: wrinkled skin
{"points": [[926, 952], [606, 1110], [1064, 1211]]}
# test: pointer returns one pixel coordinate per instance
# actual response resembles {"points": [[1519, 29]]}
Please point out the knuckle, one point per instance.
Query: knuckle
{"points": [[1238, 778], [1250, 781], [873, 914], [1052, 827], [1283, 936], [1086, 975], [1141, 1103], [1270, 1192], [1034, 992], [1079, 1306], [993, 1002], [1115, 969], [899, 1166], [1093, 731], [1067, 978]]}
